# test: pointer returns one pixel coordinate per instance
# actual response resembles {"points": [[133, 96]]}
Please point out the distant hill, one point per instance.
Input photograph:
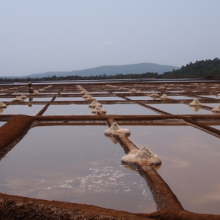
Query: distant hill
{"points": [[111, 70]]}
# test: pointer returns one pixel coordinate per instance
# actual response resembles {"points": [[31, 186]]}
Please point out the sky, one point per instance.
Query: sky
{"points": [[39, 36]]}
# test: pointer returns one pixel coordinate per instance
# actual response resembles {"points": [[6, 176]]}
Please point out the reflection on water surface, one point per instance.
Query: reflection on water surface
{"points": [[74, 164], [190, 163], [23, 109]]}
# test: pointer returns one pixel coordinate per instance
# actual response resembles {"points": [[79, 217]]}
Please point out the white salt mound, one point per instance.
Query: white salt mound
{"points": [[144, 155], [154, 95], [23, 97], [164, 96], [95, 103], [99, 110], [195, 102], [18, 98], [216, 109], [3, 105], [116, 130]]}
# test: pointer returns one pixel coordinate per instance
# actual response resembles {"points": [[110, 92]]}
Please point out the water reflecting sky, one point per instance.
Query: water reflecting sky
{"points": [[23, 109], [74, 164], [190, 163], [180, 109]]}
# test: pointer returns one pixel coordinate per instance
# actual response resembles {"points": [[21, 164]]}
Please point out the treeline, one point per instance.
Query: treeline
{"points": [[76, 77], [204, 69]]}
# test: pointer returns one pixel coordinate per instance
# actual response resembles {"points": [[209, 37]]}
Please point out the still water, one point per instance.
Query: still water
{"points": [[180, 109], [23, 109], [68, 110], [127, 109], [190, 163], [73, 164]]}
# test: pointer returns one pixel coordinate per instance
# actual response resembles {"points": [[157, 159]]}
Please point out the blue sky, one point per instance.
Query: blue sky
{"points": [[53, 35]]}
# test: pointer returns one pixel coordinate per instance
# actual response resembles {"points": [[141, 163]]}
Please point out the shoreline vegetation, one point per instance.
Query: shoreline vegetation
{"points": [[204, 69]]}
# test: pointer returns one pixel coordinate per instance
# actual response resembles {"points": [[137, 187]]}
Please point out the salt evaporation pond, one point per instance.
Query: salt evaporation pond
{"points": [[180, 97], [108, 98], [72, 109], [209, 96], [6, 99], [127, 109], [190, 163], [139, 97], [69, 99], [43, 99], [23, 109], [74, 164], [180, 109]]}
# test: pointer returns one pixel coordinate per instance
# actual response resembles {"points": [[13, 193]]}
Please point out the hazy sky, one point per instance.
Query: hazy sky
{"points": [[53, 35]]}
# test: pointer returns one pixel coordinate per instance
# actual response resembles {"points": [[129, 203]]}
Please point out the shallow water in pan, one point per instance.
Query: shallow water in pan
{"points": [[180, 109], [180, 97], [108, 98], [210, 96], [40, 99], [190, 163], [74, 164], [6, 99], [127, 109], [23, 109], [69, 99], [139, 97], [72, 109]]}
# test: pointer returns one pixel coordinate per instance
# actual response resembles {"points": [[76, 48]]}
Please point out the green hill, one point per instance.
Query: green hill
{"points": [[207, 69]]}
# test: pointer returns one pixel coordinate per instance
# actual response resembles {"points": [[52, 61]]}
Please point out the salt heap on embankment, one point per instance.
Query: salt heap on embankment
{"points": [[216, 109], [18, 98], [116, 130], [98, 110], [95, 103], [195, 102], [143, 156], [154, 94], [3, 105], [23, 97], [164, 96], [133, 90]]}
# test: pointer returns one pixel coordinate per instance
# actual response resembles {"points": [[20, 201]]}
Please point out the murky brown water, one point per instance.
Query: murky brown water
{"points": [[74, 164]]}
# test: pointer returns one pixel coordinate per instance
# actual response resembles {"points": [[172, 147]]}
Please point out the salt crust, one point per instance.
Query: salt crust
{"points": [[3, 105], [154, 94], [164, 96], [23, 97], [195, 102], [99, 110], [89, 98], [216, 109], [116, 130], [143, 156], [18, 98], [95, 103]]}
